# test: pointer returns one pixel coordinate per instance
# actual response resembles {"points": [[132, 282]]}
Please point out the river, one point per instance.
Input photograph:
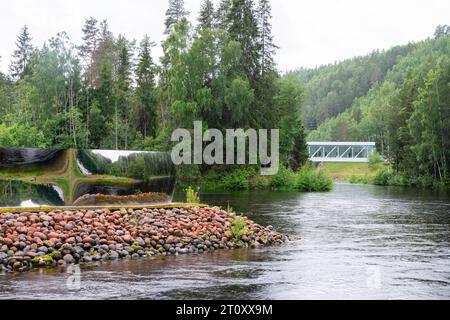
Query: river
{"points": [[357, 242]]}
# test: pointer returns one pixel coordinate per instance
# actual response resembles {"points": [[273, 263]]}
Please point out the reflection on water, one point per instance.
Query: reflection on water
{"points": [[20, 194], [35, 177], [358, 242]]}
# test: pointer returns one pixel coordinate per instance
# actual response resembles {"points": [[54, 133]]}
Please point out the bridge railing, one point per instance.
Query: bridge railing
{"points": [[340, 151]]}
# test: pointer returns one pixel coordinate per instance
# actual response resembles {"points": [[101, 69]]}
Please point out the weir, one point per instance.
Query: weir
{"points": [[340, 151], [70, 177]]}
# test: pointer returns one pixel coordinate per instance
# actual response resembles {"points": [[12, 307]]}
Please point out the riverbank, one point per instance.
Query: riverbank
{"points": [[377, 174], [48, 239], [242, 178]]}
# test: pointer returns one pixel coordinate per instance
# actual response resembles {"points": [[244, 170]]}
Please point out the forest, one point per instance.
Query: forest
{"points": [[399, 98], [108, 93]]}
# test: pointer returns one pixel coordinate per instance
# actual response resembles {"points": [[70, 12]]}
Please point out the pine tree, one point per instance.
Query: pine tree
{"points": [[174, 14], [267, 46], [87, 52], [123, 84], [243, 28], [145, 111], [206, 17], [442, 31], [90, 43], [222, 13], [104, 92], [21, 56]]}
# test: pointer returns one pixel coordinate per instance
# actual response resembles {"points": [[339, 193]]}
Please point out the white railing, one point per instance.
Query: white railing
{"points": [[340, 151]]}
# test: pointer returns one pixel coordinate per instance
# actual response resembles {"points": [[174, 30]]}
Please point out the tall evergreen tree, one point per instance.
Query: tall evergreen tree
{"points": [[123, 91], [267, 46], [91, 35], [90, 42], [21, 56], [145, 111], [206, 17], [174, 14], [221, 15], [243, 28]]}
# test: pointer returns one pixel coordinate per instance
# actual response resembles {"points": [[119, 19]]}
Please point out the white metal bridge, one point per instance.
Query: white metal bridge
{"points": [[340, 151]]}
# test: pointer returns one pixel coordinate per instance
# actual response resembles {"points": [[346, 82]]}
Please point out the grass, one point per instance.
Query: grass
{"points": [[192, 196], [349, 171]]}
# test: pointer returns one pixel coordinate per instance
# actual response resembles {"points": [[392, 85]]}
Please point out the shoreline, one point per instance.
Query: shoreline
{"points": [[35, 239]]}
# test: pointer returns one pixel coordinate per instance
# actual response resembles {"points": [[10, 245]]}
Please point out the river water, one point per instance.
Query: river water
{"points": [[358, 242]]}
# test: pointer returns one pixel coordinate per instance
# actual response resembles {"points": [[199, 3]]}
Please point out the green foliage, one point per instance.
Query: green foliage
{"points": [[289, 100], [284, 179], [310, 179], [375, 160], [360, 179], [192, 195], [238, 180], [229, 208], [406, 113], [221, 73], [21, 56], [239, 228], [19, 135], [382, 177]]}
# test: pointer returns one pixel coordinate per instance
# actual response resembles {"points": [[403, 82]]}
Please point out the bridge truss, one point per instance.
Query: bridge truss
{"points": [[340, 151]]}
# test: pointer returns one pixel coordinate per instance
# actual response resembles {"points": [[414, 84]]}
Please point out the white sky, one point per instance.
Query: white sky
{"points": [[309, 32]]}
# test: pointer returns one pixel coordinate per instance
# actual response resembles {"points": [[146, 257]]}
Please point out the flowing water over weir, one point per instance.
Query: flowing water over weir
{"points": [[358, 242], [46, 177]]}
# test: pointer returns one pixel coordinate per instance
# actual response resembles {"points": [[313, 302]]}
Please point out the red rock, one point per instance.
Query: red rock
{"points": [[53, 235], [58, 217], [70, 240], [23, 230], [7, 241], [22, 219], [49, 243]]}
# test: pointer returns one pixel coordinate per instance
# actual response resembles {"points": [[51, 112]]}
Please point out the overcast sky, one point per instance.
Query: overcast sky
{"points": [[309, 33]]}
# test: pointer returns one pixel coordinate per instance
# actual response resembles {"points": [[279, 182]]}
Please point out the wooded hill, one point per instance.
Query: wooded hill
{"points": [[399, 98]]}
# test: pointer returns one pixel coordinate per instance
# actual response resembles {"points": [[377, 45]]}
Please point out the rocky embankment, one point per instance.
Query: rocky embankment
{"points": [[47, 239]]}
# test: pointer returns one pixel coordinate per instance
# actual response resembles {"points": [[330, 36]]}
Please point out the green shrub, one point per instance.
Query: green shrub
{"points": [[259, 182], [192, 196], [284, 179], [239, 228], [360, 179], [237, 180], [375, 160], [309, 179], [382, 178]]}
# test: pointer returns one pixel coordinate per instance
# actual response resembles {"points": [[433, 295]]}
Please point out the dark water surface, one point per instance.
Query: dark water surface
{"points": [[358, 242]]}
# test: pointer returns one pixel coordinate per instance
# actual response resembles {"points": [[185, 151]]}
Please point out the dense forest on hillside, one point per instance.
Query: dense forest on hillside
{"points": [[399, 98]]}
